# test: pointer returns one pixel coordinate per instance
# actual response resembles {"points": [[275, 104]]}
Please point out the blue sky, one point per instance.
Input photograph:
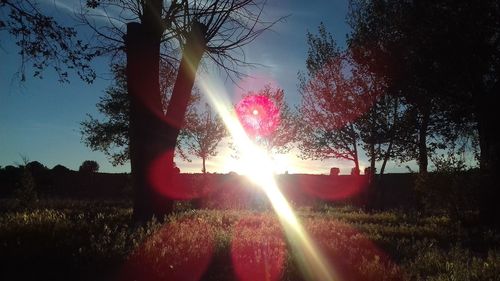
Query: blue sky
{"points": [[40, 118]]}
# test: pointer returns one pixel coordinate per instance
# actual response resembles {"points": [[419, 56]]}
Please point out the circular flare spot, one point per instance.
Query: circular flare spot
{"points": [[258, 115]]}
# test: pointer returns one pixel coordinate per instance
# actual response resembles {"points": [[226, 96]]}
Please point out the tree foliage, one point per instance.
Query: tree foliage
{"points": [[43, 42], [111, 134], [334, 96]]}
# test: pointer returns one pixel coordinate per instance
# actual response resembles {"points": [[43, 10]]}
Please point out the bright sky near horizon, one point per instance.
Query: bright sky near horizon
{"points": [[40, 118]]}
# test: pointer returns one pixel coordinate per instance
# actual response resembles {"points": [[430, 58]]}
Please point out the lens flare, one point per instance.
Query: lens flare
{"points": [[259, 168], [258, 115]]}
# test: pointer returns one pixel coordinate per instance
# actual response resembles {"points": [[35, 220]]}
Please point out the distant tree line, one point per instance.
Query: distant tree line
{"points": [[30, 181]]}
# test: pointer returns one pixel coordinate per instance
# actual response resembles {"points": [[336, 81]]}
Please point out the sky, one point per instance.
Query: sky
{"points": [[40, 118]]}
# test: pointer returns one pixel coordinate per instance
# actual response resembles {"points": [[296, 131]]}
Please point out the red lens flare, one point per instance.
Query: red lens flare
{"points": [[258, 115], [169, 253], [258, 249]]}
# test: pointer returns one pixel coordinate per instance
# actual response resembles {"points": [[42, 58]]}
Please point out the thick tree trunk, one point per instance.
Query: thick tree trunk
{"points": [[204, 170], [147, 122], [153, 135]]}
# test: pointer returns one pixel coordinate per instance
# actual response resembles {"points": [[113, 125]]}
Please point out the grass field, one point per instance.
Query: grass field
{"points": [[75, 240]]}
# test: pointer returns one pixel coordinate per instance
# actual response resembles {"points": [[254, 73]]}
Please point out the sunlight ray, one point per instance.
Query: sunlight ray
{"points": [[259, 169]]}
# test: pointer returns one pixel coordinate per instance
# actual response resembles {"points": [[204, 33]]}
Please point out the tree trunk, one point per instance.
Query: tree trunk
{"points": [[204, 170], [372, 158], [386, 156], [392, 137], [355, 158], [153, 134], [147, 122]]}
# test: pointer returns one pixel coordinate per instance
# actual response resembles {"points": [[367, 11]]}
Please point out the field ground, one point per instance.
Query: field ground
{"points": [[84, 240]]}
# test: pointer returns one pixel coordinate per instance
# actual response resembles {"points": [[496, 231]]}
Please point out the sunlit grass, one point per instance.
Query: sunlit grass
{"points": [[374, 246]]}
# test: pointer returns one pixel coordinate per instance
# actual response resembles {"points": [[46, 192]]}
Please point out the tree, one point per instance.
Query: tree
{"points": [[157, 30], [334, 97], [89, 166], [215, 28], [204, 131], [111, 134]]}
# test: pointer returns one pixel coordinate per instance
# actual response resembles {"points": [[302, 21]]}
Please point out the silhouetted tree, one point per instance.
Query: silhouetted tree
{"points": [[89, 166], [334, 97], [203, 132], [213, 28], [154, 31]]}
